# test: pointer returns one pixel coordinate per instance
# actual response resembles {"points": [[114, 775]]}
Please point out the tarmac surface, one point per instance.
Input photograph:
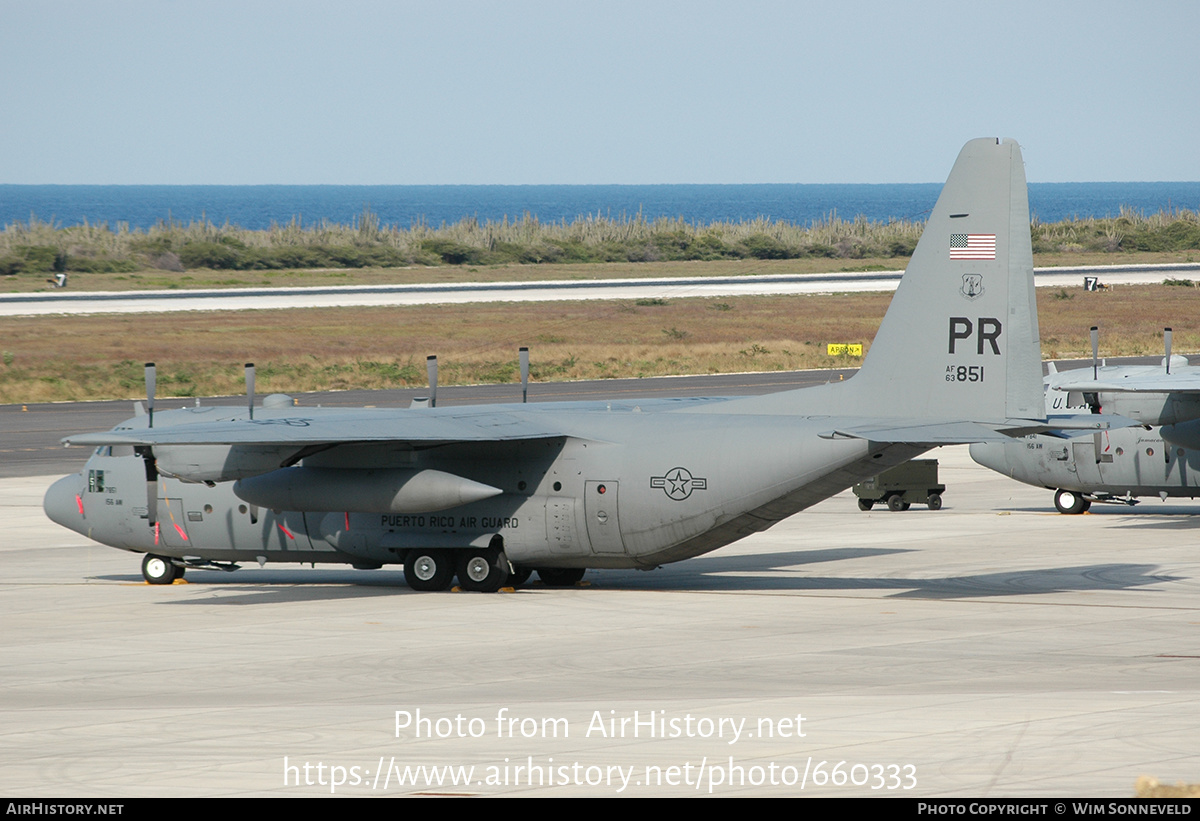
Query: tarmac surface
{"points": [[992, 648]]}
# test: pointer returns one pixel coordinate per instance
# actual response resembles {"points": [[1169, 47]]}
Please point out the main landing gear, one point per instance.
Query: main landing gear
{"points": [[1071, 502], [482, 569], [157, 570], [429, 570], [479, 569]]}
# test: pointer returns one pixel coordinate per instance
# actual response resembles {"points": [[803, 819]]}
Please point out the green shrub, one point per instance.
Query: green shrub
{"points": [[209, 255], [762, 246]]}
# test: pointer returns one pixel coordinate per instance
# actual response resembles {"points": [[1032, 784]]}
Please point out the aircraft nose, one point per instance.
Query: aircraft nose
{"points": [[62, 502], [991, 455]]}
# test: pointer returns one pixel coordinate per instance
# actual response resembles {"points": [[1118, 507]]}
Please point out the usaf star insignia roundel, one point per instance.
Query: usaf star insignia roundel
{"points": [[678, 483]]}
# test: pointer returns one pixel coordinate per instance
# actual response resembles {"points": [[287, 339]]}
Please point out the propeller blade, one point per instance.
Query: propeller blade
{"points": [[431, 367], [1167, 345], [524, 374], [151, 465], [250, 386], [151, 386], [1095, 351]]}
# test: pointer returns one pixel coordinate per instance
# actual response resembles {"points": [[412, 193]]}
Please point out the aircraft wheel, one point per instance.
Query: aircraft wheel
{"points": [[935, 501], [866, 504], [482, 570], [520, 576], [560, 576], [896, 503], [1070, 502], [428, 570], [157, 570]]}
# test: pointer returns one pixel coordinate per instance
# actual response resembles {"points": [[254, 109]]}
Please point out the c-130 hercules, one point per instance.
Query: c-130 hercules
{"points": [[1160, 457], [492, 493]]}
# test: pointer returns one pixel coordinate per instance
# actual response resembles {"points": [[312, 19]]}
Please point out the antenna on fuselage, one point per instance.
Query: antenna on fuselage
{"points": [[524, 356], [431, 367], [1095, 352], [250, 387], [1167, 346], [151, 383]]}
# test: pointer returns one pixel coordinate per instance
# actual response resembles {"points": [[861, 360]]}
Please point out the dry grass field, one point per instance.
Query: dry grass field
{"points": [[199, 354]]}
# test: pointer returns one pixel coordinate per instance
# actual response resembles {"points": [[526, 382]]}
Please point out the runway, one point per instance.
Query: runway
{"points": [[993, 648], [237, 299]]}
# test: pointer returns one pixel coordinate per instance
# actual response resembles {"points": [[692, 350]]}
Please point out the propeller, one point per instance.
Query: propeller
{"points": [[250, 401], [1095, 352], [147, 453], [524, 374], [1167, 345], [151, 383], [431, 367], [250, 386], [151, 464]]}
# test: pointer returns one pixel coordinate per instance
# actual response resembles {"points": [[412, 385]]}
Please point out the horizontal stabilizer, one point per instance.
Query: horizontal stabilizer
{"points": [[952, 432]]}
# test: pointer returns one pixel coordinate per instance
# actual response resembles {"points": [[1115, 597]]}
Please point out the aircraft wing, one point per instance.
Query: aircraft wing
{"points": [[342, 427]]}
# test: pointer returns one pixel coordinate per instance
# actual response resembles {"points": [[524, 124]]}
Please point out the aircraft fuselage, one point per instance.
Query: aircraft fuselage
{"points": [[630, 488]]}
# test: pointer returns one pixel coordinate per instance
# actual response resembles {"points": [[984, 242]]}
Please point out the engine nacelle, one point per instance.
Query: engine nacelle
{"points": [[220, 463], [361, 491]]}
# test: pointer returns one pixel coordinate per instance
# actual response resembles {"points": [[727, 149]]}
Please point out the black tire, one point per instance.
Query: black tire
{"points": [[519, 576], [1071, 502], [428, 570], [560, 576], [935, 501], [866, 504], [896, 503], [482, 569], [159, 570]]}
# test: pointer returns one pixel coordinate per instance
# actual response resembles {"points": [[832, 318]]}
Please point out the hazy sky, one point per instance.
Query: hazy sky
{"points": [[177, 91]]}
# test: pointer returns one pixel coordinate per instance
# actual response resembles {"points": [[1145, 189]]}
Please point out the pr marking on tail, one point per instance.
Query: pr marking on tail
{"points": [[989, 330]]}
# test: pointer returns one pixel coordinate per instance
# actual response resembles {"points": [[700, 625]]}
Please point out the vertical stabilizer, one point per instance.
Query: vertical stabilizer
{"points": [[960, 339]]}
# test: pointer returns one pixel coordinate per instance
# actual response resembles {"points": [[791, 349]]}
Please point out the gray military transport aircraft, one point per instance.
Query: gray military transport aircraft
{"points": [[1159, 458], [491, 493]]}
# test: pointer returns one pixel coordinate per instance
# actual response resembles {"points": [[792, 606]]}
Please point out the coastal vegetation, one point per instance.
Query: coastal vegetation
{"points": [[35, 249]]}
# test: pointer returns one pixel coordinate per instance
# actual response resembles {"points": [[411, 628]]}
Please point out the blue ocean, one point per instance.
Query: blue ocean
{"points": [[260, 206]]}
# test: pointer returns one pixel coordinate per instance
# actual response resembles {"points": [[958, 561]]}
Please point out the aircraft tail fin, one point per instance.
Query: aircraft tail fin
{"points": [[960, 339]]}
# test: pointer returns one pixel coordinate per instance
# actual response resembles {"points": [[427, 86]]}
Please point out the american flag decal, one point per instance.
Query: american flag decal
{"points": [[972, 246]]}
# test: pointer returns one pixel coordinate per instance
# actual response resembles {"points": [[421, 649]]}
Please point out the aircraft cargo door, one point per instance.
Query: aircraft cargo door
{"points": [[603, 524]]}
